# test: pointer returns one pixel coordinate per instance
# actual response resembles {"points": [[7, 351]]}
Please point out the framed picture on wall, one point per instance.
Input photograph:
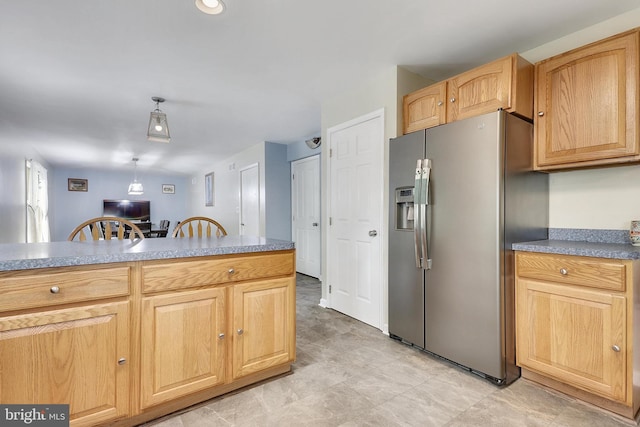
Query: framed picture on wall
{"points": [[208, 189], [168, 189], [77, 184]]}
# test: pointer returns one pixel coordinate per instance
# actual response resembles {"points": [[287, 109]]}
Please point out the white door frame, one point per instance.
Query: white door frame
{"points": [[375, 115], [316, 158], [259, 213]]}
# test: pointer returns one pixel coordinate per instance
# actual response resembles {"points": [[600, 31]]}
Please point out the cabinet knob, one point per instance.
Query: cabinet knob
{"points": [[240, 331], [540, 113], [616, 348], [564, 271], [122, 361], [452, 100], [54, 289], [231, 271], [440, 103], [221, 336]]}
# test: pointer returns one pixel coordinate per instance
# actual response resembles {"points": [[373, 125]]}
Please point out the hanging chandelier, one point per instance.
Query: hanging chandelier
{"points": [[135, 188], [158, 129]]}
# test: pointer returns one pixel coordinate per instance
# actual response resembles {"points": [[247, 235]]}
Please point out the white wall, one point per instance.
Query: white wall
{"points": [[226, 209], [71, 208], [596, 198], [383, 91], [605, 198], [273, 162]]}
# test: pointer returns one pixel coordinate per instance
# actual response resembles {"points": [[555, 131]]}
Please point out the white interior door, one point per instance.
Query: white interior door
{"points": [[305, 214], [354, 263], [250, 201]]}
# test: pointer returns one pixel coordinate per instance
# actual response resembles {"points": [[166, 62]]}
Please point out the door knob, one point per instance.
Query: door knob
{"points": [[315, 224], [373, 233]]}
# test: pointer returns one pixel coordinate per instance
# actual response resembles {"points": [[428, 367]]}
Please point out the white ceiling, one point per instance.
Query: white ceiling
{"points": [[77, 77]]}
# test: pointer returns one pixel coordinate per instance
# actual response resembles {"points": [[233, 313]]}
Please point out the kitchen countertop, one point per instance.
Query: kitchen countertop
{"points": [[24, 256], [613, 244]]}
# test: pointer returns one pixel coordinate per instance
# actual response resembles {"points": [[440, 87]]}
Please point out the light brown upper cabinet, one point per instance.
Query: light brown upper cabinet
{"points": [[425, 108], [506, 83], [587, 105]]}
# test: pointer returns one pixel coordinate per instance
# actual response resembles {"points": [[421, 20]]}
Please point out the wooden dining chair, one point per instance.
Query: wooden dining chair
{"points": [[188, 225], [106, 228]]}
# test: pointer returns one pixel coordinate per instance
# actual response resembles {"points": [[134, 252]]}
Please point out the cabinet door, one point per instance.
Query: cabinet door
{"points": [[573, 335], [77, 356], [182, 344], [263, 325], [587, 105], [481, 90], [425, 108]]}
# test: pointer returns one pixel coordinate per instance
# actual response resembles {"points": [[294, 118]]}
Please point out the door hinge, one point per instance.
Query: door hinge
{"points": [[330, 221], [293, 176], [330, 152], [329, 288]]}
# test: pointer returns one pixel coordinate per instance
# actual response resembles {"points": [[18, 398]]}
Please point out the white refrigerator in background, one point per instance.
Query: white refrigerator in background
{"points": [[460, 194]]}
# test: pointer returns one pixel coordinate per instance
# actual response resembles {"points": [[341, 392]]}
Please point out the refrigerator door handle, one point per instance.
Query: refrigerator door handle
{"points": [[417, 212], [424, 238]]}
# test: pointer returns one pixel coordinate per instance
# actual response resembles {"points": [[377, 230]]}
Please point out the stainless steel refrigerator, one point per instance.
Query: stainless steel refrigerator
{"points": [[460, 194]]}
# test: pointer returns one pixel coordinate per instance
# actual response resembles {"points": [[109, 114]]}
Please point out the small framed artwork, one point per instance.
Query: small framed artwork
{"points": [[168, 189], [208, 189], [77, 184]]}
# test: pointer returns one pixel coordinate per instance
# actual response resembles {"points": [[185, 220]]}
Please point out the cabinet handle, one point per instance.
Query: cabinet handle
{"points": [[616, 348], [240, 331], [221, 336], [231, 271], [540, 113], [122, 361], [452, 100], [440, 103], [564, 271], [54, 290]]}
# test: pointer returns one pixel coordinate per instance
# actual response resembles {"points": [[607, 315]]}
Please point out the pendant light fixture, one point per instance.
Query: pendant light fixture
{"points": [[135, 188], [158, 128], [210, 7]]}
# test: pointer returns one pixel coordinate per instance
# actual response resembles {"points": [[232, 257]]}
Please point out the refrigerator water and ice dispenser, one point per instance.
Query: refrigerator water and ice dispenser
{"points": [[404, 208]]}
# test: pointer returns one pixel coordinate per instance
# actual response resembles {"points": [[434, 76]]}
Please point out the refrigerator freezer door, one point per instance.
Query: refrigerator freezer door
{"points": [[463, 287], [406, 281]]}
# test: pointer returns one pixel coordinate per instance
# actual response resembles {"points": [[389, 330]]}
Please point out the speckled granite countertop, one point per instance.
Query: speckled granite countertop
{"points": [[583, 242], [22, 256]]}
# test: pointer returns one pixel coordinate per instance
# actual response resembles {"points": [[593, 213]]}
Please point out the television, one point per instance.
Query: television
{"points": [[133, 210]]}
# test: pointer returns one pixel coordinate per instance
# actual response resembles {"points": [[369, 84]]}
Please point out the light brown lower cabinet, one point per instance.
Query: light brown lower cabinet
{"points": [[126, 343], [575, 327], [76, 356], [263, 326], [182, 344]]}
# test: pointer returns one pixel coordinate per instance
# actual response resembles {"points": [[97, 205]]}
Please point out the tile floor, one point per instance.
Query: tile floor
{"points": [[350, 374]]}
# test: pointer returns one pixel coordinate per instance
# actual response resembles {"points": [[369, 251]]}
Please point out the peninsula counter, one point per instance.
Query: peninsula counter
{"points": [[127, 332]]}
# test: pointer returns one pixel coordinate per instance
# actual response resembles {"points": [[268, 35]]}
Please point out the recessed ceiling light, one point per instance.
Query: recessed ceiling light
{"points": [[210, 7]]}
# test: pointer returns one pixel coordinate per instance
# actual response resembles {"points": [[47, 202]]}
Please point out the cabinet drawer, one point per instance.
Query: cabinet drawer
{"points": [[574, 270], [27, 289], [188, 274]]}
